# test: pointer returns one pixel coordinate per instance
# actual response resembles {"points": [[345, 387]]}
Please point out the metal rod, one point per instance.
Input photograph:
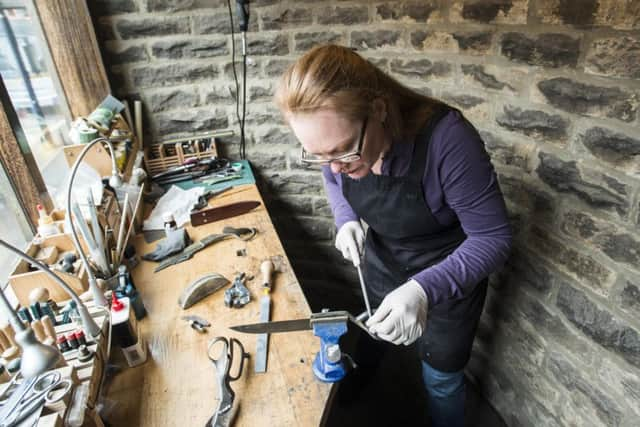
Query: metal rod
{"points": [[364, 291]]}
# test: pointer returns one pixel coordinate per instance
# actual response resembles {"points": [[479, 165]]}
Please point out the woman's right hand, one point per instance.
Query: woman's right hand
{"points": [[350, 241]]}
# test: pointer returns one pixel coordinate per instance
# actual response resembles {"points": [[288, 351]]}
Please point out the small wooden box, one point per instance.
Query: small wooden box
{"points": [[164, 155], [23, 281]]}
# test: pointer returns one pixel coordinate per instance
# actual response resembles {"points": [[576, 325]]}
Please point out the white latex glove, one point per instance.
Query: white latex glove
{"points": [[402, 315], [350, 241]]}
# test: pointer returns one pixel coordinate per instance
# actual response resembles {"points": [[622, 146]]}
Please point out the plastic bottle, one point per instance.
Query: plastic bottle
{"points": [[46, 226]]}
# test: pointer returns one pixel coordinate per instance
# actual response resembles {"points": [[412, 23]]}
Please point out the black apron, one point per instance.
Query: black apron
{"points": [[404, 238]]}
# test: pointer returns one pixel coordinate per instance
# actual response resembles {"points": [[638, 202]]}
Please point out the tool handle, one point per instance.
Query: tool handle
{"points": [[266, 268], [9, 333]]}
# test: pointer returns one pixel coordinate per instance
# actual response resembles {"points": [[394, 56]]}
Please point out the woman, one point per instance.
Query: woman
{"points": [[416, 172]]}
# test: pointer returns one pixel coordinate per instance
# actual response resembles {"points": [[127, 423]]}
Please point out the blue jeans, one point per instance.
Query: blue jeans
{"points": [[446, 393]]}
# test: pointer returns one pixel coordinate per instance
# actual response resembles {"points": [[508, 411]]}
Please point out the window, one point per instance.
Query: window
{"points": [[33, 90]]}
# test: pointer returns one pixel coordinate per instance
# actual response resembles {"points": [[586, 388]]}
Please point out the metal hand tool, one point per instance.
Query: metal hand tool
{"points": [[31, 395], [262, 343], [329, 326], [188, 252], [223, 416], [364, 291], [197, 323], [237, 295]]}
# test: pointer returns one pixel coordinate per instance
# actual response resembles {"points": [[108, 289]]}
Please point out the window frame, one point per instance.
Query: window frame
{"points": [[69, 35]]}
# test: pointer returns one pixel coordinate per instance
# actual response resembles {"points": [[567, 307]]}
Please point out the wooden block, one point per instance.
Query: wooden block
{"points": [[47, 255], [51, 420]]}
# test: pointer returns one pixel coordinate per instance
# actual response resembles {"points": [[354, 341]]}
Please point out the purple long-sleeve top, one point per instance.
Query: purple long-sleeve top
{"points": [[459, 183]]}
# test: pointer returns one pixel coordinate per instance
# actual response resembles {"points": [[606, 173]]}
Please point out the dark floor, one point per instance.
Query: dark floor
{"points": [[393, 394]]}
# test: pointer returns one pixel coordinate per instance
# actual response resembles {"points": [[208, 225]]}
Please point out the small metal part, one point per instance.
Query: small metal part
{"points": [[84, 354], [197, 323], [241, 252], [237, 295]]}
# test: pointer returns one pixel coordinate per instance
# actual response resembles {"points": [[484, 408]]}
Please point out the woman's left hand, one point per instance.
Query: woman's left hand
{"points": [[402, 315]]}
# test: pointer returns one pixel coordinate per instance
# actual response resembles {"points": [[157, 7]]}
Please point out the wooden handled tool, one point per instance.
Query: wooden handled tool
{"points": [[9, 333], [262, 343], [38, 330]]}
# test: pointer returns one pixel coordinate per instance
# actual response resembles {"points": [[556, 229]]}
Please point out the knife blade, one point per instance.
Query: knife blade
{"points": [[206, 216], [274, 327]]}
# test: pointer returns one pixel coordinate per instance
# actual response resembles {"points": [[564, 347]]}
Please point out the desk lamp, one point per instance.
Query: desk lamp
{"points": [[114, 181]]}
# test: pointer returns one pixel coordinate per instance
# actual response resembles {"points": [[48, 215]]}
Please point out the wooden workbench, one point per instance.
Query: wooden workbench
{"points": [[176, 386]]}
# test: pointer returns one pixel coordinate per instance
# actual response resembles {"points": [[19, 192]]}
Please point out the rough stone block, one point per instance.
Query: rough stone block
{"points": [[190, 121], [220, 94], [277, 45], [547, 50], [580, 98], [278, 19], [611, 146], [588, 13], [305, 41], [474, 42], [551, 327], [629, 299], [307, 228], [277, 136], [508, 12], [189, 48], [287, 204], [343, 15], [434, 40], [276, 67], [153, 26], [614, 57], [271, 118], [172, 100], [260, 93], [112, 7], [538, 206], [170, 5], [117, 55], [584, 268], [417, 11], [297, 183], [475, 108], [624, 380], [218, 23], [580, 224], [253, 70], [565, 177], [533, 123], [269, 160], [599, 324], [421, 68], [509, 154], [321, 207], [167, 74], [374, 39], [528, 269], [620, 247], [605, 408]]}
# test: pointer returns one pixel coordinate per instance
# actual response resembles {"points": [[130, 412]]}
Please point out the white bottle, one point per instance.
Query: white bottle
{"points": [[46, 226]]}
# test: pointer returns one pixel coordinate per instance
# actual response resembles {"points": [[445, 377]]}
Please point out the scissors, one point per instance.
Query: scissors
{"points": [[222, 359], [31, 395]]}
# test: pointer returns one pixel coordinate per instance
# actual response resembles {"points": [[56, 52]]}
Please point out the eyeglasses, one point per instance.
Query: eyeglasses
{"points": [[350, 157]]}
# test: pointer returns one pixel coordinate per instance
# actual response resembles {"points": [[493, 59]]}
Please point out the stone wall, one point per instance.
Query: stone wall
{"points": [[553, 86]]}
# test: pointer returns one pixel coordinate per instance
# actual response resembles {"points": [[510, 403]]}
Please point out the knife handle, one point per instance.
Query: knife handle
{"points": [[266, 268]]}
